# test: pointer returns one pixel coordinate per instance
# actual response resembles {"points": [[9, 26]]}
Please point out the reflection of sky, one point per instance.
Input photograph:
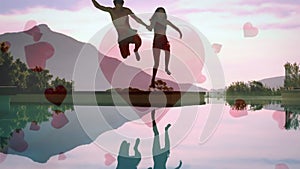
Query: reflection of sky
{"points": [[253, 141]]}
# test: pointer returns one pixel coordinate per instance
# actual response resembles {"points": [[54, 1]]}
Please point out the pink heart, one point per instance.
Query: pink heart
{"points": [[109, 159], [17, 142], [279, 117], [249, 30], [37, 54], [34, 126], [30, 24], [2, 157], [281, 166], [32, 30], [62, 156], [59, 119], [238, 113], [217, 47]]}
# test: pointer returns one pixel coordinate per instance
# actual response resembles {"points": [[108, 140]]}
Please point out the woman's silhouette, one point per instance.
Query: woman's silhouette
{"points": [[124, 160], [159, 23], [160, 155]]}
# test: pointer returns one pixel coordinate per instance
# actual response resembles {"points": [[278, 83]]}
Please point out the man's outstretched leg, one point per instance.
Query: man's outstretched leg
{"points": [[137, 42]]}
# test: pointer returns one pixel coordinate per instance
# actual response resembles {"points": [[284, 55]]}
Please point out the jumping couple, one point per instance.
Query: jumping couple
{"points": [[127, 35]]}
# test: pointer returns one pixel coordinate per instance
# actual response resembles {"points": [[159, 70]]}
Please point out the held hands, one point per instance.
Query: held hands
{"points": [[149, 28]]}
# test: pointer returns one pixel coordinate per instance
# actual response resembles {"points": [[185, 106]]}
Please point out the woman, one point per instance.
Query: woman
{"points": [[159, 23]]}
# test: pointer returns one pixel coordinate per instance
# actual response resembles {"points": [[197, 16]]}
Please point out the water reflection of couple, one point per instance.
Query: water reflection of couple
{"points": [[127, 35], [160, 155]]}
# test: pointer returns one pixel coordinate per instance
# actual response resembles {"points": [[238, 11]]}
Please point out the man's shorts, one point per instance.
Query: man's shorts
{"points": [[124, 45]]}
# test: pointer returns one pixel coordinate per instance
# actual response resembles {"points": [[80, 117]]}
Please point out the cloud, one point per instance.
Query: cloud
{"points": [[12, 6]]}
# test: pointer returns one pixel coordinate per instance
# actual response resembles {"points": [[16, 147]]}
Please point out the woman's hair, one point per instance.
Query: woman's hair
{"points": [[160, 11]]}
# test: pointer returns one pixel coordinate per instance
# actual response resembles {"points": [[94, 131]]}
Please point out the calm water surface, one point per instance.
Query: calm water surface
{"points": [[262, 135]]}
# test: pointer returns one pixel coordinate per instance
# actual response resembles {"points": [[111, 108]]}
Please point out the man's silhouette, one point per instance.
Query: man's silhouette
{"points": [[126, 34]]}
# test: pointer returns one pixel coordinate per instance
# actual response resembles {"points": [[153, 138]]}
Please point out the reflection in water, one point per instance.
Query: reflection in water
{"points": [[286, 117], [160, 155], [59, 119], [17, 117], [281, 166], [292, 117], [34, 126], [239, 108], [109, 159], [124, 160], [17, 141], [62, 156]]}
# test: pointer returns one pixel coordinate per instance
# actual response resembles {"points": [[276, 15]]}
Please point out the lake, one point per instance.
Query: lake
{"points": [[217, 135]]}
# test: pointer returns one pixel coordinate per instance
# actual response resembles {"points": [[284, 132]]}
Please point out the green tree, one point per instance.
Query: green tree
{"points": [[292, 76]]}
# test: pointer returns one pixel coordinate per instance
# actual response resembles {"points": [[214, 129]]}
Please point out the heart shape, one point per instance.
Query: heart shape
{"points": [[34, 126], [56, 95], [17, 142], [32, 30], [109, 159], [3, 155], [279, 117], [37, 54], [250, 30], [281, 166], [238, 113], [217, 47], [59, 119], [62, 156]]}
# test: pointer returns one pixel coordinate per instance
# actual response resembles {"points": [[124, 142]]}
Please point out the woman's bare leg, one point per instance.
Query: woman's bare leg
{"points": [[167, 60], [156, 54]]}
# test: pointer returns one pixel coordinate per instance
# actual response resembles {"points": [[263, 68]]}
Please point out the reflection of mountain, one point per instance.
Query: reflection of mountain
{"points": [[49, 140], [66, 52], [274, 82]]}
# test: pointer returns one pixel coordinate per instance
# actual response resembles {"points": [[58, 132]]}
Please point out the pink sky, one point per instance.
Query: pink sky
{"points": [[242, 59]]}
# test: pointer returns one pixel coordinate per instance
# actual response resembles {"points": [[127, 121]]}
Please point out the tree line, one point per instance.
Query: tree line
{"points": [[16, 73]]}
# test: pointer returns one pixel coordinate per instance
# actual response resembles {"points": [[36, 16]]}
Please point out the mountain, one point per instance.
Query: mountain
{"points": [[273, 82], [68, 58]]}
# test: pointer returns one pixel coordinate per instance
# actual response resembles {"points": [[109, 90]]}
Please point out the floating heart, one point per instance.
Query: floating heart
{"points": [[3, 155], [17, 142], [62, 156], [32, 30], [217, 47], [37, 54], [249, 30], [238, 113], [4, 46], [34, 126], [279, 117], [109, 159], [56, 95], [281, 166], [59, 119]]}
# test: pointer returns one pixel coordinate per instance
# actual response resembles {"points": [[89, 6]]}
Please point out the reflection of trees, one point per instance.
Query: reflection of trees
{"points": [[20, 115], [254, 104], [292, 117]]}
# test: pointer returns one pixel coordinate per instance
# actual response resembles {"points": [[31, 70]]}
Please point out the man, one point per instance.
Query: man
{"points": [[126, 34]]}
